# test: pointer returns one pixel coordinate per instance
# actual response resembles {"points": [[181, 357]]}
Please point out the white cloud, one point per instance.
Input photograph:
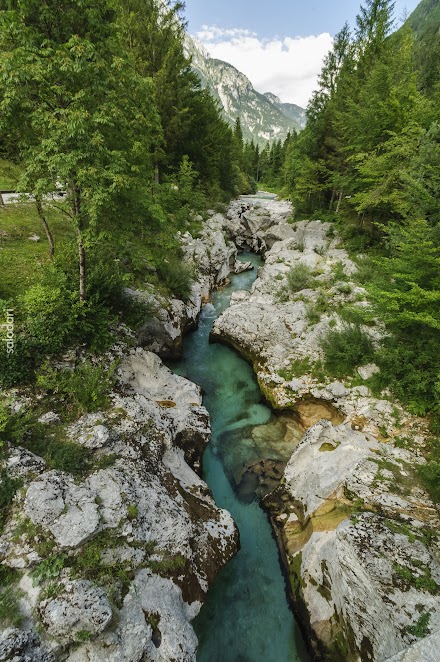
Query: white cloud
{"points": [[288, 67]]}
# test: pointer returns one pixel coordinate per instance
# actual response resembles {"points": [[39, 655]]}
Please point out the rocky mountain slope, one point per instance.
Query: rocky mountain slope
{"points": [[263, 116]]}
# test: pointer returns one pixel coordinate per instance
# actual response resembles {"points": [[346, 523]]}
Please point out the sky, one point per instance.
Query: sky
{"points": [[278, 44]]}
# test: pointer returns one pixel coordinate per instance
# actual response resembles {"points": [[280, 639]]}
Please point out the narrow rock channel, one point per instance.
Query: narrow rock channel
{"points": [[246, 616]]}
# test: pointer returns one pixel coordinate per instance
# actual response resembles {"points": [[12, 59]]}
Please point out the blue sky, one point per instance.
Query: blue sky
{"points": [[279, 17], [278, 44]]}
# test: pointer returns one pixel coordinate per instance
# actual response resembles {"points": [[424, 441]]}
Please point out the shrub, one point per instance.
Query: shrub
{"points": [[410, 364], [338, 271], [84, 389], [49, 316], [299, 278], [8, 488], [346, 349], [49, 568], [10, 614], [18, 367], [430, 472], [177, 276]]}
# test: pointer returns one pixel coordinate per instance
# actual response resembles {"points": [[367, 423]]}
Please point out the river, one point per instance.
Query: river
{"points": [[246, 617]]}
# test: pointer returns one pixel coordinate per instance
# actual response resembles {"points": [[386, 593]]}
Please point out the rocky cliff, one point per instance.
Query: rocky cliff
{"points": [[263, 116]]}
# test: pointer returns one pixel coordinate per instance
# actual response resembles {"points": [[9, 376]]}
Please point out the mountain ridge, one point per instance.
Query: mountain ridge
{"points": [[264, 118]]}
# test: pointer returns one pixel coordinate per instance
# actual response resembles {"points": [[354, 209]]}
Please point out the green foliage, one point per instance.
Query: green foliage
{"points": [[430, 472], [48, 569], [84, 389], [299, 278], [8, 488], [83, 635], [421, 628], [297, 368], [410, 364], [22, 428], [48, 316], [9, 175], [168, 565], [132, 511], [10, 594], [418, 575], [346, 349], [338, 271], [177, 276]]}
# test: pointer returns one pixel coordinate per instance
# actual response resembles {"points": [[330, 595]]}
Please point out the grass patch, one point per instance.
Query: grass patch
{"points": [[8, 489], [22, 262], [10, 614], [300, 277], [429, 473], [420, 629], [421, 580], [297, 368]]}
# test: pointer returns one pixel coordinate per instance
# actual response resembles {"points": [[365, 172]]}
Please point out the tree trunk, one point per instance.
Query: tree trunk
{"points": [[82, 268], [156, 174], [2, 202], [45, 226], [75, 205], [339, 201], [333, 199]]}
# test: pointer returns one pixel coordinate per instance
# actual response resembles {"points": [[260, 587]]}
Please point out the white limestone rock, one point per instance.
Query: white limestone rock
{"points": [[80, 607]]}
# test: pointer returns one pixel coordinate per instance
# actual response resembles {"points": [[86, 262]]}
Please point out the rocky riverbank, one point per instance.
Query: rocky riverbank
{"points": [[113, 563], [357, 530]]}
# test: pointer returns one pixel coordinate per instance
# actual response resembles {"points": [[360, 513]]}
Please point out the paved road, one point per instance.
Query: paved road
{"points": [[10, 198]]}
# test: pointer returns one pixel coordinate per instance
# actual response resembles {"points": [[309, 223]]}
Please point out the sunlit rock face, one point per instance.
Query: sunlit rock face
{"points": [[263, 117]]}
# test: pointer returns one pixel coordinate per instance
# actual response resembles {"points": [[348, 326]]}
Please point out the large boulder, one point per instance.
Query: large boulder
{"points": [[80, 610]]}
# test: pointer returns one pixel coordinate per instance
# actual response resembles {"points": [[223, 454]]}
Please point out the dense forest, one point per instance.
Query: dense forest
{"points": [[99, 101], [369, 160]]}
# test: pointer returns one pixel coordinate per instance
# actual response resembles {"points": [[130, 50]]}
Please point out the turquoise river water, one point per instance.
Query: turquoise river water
{"points": [[246, 617]]}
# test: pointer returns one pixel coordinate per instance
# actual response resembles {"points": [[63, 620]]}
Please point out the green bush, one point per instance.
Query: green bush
{"points": [[430, 472], [84, 389], [346, 349], [177, 276], [299, 278], [19, 367], [49, 568], [10, 613], [49, 316], [8, 488], [338, 271], [410, 365], [22, 428]]}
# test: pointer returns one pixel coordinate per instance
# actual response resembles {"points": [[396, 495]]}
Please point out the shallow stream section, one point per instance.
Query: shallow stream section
{"points": [[246, 617]]}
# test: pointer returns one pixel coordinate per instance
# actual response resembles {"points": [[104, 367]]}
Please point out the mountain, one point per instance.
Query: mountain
{"points": [[425, 22], [290, 110], [263, 116]]}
